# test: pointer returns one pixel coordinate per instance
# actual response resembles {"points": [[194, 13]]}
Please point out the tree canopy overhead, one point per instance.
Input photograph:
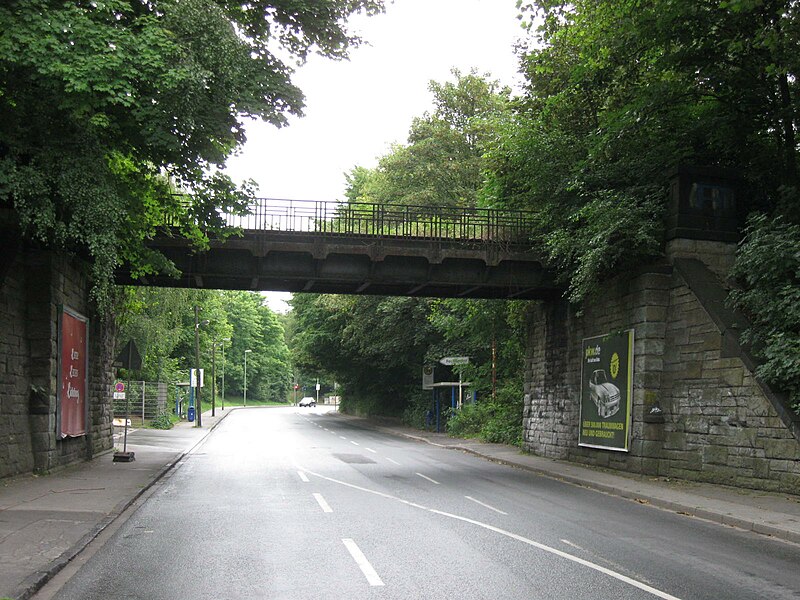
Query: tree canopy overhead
{"points": [[107, 105]]}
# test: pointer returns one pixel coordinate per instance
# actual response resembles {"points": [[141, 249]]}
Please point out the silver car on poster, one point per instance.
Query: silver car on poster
{"points": [[604, 394]]}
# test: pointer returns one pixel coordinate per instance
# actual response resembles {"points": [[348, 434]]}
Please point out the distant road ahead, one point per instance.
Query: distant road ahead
{"points": [[293, 503]]}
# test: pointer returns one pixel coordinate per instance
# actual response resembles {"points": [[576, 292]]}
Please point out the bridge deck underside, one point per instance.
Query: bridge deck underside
{"points": [[307, 262]]}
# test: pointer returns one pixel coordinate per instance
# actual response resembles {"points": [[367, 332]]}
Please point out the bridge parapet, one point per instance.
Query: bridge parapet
{"points": [[328, 247], [443, 223]]}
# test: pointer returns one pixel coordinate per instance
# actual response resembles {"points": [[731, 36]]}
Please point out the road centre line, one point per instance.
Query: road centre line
{"points": [[303, 476], [565, 555], [370, 450], [354, 443], [341, 437], [362, 562], [497, 510], [428, 478], [324, 505], [393, 461]]}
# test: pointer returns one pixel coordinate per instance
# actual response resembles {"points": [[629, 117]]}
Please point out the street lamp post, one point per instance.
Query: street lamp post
{"points": [[222, 343], [214, 375], [213, 378], [197, 323], [245, 376]]}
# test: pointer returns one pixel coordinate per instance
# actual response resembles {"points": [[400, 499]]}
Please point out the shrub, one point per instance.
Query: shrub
{"points": [[161, 421]]}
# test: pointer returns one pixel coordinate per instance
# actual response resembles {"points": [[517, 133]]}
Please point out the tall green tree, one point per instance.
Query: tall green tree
{"points": [[372, 346], [161, 322], [107, 107], [618, 95], [442, 163]]}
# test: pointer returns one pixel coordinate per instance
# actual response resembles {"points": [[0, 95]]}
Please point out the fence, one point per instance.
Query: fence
{"points": [[144, 401], [386, 220]]}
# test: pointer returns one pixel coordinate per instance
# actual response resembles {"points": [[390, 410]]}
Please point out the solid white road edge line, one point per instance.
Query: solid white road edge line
{"points": [[619, 576], [428, 478], [497, 510], [324, 505], [362, 562]]}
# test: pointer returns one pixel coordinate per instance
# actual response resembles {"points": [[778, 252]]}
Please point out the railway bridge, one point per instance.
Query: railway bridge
{"points": [[329, 247]]}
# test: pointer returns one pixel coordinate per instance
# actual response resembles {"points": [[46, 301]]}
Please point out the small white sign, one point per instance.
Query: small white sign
{"points": [[455, 360], [193, 377], [318, 386], [119, 395]]}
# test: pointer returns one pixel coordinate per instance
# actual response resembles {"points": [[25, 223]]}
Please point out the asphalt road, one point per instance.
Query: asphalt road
{"points": [[298, 504]]}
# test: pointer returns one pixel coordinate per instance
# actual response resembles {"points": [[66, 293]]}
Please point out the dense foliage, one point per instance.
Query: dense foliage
{"points": [[618, 95], [161, 323], [109, 106]]}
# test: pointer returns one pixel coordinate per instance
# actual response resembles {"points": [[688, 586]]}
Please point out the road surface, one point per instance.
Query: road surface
{"points": [[297, 503]]}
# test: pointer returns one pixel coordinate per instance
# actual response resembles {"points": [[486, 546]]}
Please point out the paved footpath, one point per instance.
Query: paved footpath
{"points": [[46, 521]]}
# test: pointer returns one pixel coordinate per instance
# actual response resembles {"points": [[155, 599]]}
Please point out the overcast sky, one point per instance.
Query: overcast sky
{"points": [[356, 109]]}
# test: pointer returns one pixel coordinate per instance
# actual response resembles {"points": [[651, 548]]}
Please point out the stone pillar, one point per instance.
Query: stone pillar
{"points": [[551, 398]]}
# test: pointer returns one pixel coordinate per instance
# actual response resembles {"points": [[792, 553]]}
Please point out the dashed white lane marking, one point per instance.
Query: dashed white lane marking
{"points": [[324, 505], [303, 477], [497, 510], [392, 461], [568, 543], [362, 562], [543, 547], [341, 437], [354, 443], [370, 450], [428, 478]]}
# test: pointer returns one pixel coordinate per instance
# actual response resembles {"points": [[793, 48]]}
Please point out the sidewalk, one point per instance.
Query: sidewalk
{"points": [[46, 521]]}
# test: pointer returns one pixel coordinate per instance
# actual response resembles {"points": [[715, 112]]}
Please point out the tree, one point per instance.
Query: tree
{"points": [[621, 93], [108, 107], [161, 322], [372, 346], [442, 163], [256, 328]]}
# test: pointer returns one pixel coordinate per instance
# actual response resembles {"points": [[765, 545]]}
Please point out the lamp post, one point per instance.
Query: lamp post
{"points": [[222, 344], [197, 324], [214, 375], [245, 376]]}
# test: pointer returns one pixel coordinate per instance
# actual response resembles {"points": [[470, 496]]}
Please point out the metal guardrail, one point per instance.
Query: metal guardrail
{"points": [[380, 220]]}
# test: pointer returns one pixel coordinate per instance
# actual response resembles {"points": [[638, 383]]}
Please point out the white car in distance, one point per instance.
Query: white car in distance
{"points": [[307, 401]]}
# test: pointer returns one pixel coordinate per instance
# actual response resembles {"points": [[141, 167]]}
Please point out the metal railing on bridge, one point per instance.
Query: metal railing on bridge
{"points": [[386, 220]]}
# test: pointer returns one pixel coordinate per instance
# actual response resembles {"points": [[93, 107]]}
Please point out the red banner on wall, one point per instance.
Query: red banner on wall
{"points": [[73, 374]]}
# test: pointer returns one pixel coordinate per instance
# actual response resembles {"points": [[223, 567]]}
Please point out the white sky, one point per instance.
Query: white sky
{"points": [[356, 109]]}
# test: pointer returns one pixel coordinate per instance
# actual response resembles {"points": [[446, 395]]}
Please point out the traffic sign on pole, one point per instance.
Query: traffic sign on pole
{"points": [[454, 360]]}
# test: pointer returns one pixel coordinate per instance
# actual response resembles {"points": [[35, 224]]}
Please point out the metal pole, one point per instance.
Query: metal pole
{"points": [[213, 378], [198, 409], [223, 375], [245, 376], [142, 402]]}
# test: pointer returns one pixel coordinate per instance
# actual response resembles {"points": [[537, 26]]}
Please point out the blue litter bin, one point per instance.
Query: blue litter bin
{"points": [[190, 414]]}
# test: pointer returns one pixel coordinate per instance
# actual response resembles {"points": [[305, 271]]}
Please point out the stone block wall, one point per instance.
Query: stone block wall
{"points": [[16, 455], [37, 284], [720, 424]]}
